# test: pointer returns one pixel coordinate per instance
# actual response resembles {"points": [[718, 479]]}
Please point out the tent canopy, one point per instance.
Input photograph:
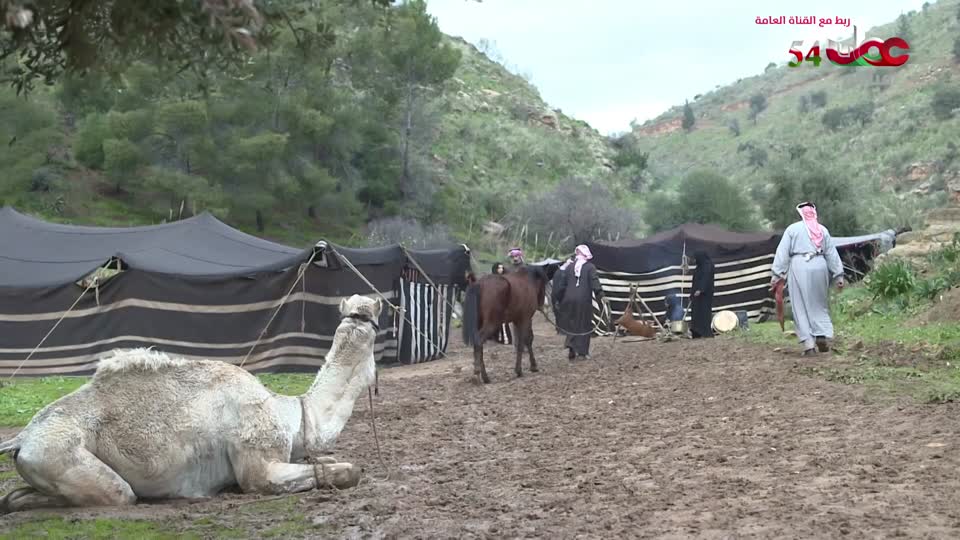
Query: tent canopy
{"points": [[36, 253], [664, 249]]}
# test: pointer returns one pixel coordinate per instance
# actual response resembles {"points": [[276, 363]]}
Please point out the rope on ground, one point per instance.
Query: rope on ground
{"points": [[95, 282], [300, 273], [376, 437]]}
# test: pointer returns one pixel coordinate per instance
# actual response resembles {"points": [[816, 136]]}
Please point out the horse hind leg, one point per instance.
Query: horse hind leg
{"points": [[479, 367], [528, 342]]}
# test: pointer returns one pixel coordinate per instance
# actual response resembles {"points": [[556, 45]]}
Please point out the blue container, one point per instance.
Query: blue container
{"points": [[744, 320], [674, 307]]}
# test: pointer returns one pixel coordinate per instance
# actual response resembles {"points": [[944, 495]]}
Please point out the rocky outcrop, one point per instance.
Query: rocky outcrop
{"points": [[913, 246]]}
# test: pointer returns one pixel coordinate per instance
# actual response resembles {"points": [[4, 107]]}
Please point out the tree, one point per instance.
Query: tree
{"points": [[903, 28], [758, 103], [42, 40], [688, 118], [807, 180], [420, 60], [703, 197], [956, 50]]}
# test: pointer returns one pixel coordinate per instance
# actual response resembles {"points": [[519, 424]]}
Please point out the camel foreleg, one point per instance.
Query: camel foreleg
{"points": [[258, 475]]}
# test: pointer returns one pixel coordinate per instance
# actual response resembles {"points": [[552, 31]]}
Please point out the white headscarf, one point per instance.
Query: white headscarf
{"points": [[583, 255]]}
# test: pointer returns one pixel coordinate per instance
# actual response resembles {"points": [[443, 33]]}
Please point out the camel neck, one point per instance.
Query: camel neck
{"points": [[328, 404]]}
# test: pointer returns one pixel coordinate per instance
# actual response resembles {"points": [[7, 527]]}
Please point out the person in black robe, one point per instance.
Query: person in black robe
{"points": [[702, 301], [556, 284], [574, 296], [503, 335]]}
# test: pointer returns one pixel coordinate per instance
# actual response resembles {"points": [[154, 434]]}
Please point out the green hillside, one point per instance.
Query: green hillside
{"points": [[358, 124], [875, 129]]}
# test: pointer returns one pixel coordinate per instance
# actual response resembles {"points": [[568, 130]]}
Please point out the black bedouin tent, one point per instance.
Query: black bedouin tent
{"points": [[743, 264], [201, 289], [742, 278]]}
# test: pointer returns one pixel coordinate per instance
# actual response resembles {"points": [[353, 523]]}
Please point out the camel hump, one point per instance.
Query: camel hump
{"points": [[137, 360]]}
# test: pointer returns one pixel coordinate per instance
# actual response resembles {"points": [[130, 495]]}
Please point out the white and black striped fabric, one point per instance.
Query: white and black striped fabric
{"points": [[425, 335], [738, 286], [742, 271]]}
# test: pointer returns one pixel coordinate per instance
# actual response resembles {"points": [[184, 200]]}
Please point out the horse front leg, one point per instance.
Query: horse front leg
{"points": [[521, 332]]}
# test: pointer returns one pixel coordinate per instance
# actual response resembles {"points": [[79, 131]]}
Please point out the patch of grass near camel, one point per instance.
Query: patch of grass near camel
{"points": [[20, 399]]}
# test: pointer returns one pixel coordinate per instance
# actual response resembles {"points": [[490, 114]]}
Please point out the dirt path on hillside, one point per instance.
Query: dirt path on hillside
{"points": [[708, 439]]}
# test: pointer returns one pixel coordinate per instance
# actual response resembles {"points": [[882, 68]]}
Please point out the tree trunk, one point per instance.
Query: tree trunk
{"points": [[260, 226], [312, 211], [408, 128]]}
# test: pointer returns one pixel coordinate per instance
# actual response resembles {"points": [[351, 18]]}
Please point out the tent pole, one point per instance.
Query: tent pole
{"points": [[683, 275]]}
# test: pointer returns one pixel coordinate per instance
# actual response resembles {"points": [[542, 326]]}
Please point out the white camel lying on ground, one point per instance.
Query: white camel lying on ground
{"points": [[154, 427]]}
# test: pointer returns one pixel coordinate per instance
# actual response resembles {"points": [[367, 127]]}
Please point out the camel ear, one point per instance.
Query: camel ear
{"points": [[343, 306], [377, 308]]}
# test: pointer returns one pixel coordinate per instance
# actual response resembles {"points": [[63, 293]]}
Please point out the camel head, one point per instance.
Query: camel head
{"points": [[360, 315]]}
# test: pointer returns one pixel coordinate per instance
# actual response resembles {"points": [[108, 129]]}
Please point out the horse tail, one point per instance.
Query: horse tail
{"points": [[471, 315]]}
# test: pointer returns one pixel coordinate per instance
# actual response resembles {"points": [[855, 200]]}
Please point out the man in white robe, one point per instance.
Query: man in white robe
{"points": [[809, 261]]}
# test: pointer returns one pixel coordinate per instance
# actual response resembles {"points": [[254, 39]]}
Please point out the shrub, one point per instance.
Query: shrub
{"points": [[409, 232], [574, 211], [892, 279], [704, 197], [944, 102]]}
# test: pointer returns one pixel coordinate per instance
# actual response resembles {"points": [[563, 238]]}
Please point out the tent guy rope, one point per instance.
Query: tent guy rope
{"points": [[300, 275], [95, 282]]}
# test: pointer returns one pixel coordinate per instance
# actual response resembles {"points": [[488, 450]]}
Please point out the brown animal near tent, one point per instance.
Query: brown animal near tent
{"points": [[497, 299], [632, 325]]}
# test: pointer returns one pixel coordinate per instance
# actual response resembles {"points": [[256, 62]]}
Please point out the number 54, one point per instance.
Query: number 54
{"points": [[813, 54]]}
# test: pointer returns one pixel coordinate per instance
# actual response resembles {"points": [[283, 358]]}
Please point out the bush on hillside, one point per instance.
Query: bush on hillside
{"points": [[840, 117], [688, 117], [703, 197], [734, 127], [945, 101], [574, 211]]}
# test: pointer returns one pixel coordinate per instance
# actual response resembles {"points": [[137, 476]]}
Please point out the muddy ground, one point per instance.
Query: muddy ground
{"points": [[713, 439]]}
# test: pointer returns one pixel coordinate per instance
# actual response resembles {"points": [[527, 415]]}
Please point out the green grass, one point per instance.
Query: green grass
{"points": [[878, 345], [62, 529], [22, 398]]}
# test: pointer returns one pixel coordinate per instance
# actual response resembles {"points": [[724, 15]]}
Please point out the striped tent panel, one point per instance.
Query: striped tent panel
{"points": [[739, 285], [188, 318], [423, 334]]}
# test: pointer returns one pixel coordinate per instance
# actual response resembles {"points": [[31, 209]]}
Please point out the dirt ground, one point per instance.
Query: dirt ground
{"points": [[706, 439]]}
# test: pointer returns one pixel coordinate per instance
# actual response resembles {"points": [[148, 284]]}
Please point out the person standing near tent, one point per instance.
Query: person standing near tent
{"points": [[579, 283], [808, 260], [516, 257], [556, 284], [503, 336], [702, 299]]}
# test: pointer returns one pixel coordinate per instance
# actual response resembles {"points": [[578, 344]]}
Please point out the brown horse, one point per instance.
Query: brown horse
{"points": [[494, 300]]}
